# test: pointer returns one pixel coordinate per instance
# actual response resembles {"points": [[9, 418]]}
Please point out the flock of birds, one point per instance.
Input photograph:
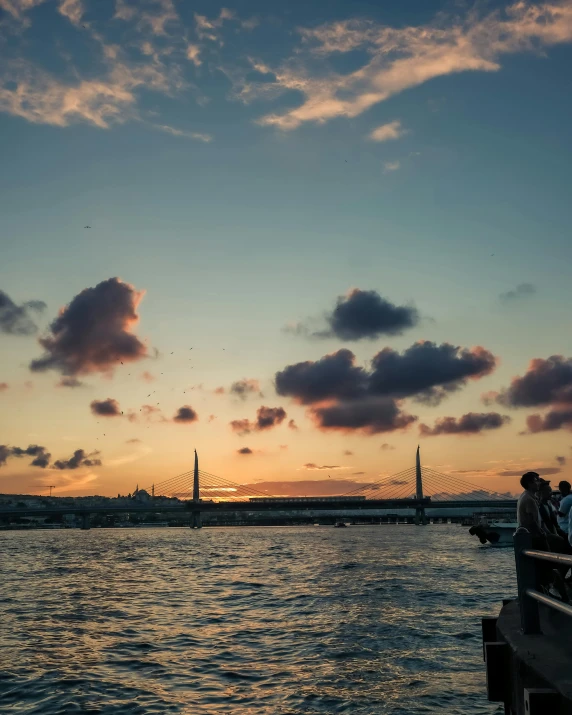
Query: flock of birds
{"points": [[153, 392]]}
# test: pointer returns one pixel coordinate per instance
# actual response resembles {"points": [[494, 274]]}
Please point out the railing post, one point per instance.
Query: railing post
{"points": [[526, 576]]}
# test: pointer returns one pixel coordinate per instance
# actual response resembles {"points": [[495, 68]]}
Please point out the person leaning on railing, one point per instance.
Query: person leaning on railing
{"points": [[527, 511], [557, 538], [564, 507], [528, 516]]}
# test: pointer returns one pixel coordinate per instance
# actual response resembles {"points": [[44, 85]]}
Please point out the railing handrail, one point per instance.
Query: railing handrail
{"points": [[526, 574], [548, 556], [549, 601]]}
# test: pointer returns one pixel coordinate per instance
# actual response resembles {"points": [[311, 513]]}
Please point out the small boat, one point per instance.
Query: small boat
{"points": [[340, 525], [496, 533]]}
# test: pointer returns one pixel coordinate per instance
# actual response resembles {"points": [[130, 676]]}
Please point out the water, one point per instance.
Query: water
{"points": [[249, 621]]}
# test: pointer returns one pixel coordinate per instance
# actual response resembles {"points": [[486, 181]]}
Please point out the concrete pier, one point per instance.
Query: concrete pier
{"points": [[530, 674]]}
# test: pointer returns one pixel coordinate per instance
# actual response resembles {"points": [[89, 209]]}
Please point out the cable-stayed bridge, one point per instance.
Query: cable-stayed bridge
{"points": [[420, 490], [438, 487]]}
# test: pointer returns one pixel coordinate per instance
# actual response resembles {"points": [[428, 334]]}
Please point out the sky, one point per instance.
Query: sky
{"points": [[300, 238]]}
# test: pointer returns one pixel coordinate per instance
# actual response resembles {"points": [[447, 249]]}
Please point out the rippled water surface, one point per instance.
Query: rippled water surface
{"points": [[249, 621]]}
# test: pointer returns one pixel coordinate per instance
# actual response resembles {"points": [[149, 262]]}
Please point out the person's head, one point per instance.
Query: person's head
{"points": [[544, 490], [530, 481], [564, 488]]}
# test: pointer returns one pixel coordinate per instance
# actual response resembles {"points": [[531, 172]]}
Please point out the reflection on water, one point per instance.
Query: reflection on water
{"points": [[253, 621]]}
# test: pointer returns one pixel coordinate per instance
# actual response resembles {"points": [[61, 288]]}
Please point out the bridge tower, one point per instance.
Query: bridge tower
{"points": [[196, 521], [420, 517]]}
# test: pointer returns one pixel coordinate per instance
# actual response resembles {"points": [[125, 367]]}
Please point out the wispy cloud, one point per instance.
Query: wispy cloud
{"points": [[386, 132], [29, 92], [72, 9], [193, 54], [311, 466], [210, 29], [390, 166], [156, 15], [523, 290], [130, 457], [109, 96], [180, 133], [406, 57], [66, 482]]}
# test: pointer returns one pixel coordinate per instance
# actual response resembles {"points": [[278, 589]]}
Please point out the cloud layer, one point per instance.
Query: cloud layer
{"points": [[79, 459], [546, 383], [342, 396], [42, 457], [137, 48], [469, 424], [40, 454], [402, 58]]}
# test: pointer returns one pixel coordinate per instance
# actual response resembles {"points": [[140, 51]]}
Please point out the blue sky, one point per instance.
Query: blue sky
{"points": [[245, 166]]}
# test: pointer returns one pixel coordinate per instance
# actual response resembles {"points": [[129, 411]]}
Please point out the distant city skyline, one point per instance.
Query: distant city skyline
{"points": [[302, 240]]}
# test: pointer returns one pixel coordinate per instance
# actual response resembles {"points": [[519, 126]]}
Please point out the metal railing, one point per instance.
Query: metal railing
{"points": [[527, 576]]}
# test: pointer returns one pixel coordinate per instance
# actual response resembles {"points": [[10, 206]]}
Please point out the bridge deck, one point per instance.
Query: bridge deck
{"points": [[243, 506]]}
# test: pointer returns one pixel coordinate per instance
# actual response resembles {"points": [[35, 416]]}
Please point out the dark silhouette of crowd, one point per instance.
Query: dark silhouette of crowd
{"points": [[546, 516]]}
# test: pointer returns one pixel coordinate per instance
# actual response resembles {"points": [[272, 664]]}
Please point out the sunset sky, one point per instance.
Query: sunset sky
{"points": [[356, 214]]}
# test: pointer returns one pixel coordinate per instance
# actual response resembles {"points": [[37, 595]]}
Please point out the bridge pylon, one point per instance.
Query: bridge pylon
{"points": [[420, 516], [196, 521]]}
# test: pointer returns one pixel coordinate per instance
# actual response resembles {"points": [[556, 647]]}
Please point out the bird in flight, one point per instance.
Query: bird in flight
{"points": [[87, 226]]}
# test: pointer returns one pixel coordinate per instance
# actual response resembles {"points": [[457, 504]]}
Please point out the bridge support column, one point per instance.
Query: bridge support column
{"points": [[420, 517], [85, 522], [196, 521]]}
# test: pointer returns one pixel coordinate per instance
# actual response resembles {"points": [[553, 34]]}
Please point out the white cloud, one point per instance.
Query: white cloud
{"points": [[193, 54], [72, 9], [17, 8], [250, 24], [31, 93], [209, 29], [391, 166], [164, 14], [402, 58], [179, 133], [392, 130]]}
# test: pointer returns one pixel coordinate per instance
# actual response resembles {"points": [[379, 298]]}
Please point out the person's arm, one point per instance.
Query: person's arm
{"points": [[565, 505], [530, 517]]}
